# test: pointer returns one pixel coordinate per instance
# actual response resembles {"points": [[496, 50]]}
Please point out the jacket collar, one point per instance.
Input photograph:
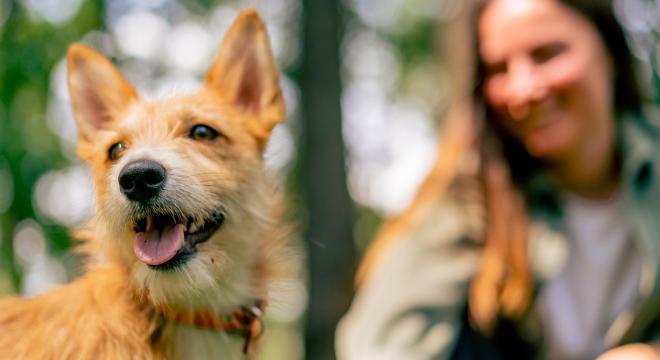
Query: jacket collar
{"points": [[639, 138]]}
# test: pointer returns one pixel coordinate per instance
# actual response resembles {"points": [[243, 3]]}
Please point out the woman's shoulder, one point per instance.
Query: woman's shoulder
{"points": [[454, 210], [444, 210], [410, 300]]}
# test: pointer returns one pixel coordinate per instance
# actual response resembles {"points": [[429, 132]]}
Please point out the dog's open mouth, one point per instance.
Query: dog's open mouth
{"points": [[163, 242]]}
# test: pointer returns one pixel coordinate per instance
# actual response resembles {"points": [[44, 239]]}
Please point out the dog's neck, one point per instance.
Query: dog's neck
{"points": [[244, 321], [230, 329]]}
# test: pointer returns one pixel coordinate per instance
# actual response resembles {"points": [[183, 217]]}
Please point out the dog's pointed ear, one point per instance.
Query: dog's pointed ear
{"points": [[98, 90], [245, 74]]}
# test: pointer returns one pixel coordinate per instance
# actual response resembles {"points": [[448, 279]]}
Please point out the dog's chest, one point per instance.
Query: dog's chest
{"points": [[199, 344]]}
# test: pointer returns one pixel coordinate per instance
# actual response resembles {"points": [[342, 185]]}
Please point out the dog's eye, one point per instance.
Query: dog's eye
{"points": [[202, 133], [115, 151]]}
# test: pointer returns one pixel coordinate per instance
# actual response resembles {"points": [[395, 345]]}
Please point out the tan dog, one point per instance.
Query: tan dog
{"points": [[187, 221]]}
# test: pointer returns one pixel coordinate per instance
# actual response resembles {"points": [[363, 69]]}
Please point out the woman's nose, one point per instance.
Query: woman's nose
{"points": [[525, 86]]}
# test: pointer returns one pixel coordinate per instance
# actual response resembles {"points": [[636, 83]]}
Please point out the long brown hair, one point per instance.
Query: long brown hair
{"points": [[502, 286]]}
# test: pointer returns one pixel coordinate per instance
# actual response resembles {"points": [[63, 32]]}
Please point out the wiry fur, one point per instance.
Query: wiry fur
{"points": [[114, 310]]}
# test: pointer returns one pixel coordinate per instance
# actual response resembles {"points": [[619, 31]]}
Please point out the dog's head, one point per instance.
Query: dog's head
{"points": [[181, 194]]}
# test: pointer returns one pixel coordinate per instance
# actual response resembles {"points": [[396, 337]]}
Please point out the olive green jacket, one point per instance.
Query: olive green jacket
{"points": [[411, 306]]}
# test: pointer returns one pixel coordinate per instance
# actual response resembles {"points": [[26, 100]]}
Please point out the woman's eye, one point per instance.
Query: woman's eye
{"points": [[114, 152], [202, 133], [547, 52], [495, 69]]}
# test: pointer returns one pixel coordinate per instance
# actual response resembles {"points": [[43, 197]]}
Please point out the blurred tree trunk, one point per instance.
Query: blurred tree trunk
{"points": [[329, 233]]}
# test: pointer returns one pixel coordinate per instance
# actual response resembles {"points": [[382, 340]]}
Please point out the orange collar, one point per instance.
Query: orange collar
{"points": [[244, 320]]}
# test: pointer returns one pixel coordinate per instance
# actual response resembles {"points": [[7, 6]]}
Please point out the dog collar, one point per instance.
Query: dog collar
{"points": [[245, 321]]}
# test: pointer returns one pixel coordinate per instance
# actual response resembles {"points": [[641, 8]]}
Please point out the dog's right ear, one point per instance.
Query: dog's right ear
{"points": [[98, 90]]}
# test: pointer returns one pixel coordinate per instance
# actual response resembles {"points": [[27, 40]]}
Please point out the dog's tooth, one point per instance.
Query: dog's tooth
{"points": [[150, 221]]}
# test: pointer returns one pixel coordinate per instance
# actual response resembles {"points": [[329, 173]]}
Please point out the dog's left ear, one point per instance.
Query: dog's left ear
{"points": [[244, 73]]}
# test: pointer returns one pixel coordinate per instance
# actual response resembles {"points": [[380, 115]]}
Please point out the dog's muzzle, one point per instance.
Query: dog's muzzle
{"points": [[142, 180]]}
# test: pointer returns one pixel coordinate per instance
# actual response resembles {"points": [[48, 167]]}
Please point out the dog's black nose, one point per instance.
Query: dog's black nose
{"points": [[142, 180]]}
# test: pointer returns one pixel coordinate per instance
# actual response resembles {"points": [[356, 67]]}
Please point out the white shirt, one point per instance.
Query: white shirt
{"points": [[599, 280]]}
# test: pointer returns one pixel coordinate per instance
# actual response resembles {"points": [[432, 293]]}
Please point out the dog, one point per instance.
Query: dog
{"points": [[187, 233]]}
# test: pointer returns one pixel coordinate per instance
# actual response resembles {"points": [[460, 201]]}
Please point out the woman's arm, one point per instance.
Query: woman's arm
{"points": [[410, 307]]}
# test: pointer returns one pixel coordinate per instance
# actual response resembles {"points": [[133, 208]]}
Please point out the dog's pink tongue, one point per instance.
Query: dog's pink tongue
{"points": [[156, 246]]}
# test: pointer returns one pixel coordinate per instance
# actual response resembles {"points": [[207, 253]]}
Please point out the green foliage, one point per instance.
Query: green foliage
{"points": [[30, 49]]}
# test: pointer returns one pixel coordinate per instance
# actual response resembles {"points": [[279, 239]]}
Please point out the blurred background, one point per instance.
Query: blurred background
{"points": [[365, 92]]}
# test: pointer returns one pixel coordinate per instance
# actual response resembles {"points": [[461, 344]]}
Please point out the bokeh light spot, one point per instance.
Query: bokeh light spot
{"points": [[53, 11], [140, 34]]}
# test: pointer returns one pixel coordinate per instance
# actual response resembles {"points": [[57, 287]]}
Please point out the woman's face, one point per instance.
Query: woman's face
{"points": [[549, 77]]}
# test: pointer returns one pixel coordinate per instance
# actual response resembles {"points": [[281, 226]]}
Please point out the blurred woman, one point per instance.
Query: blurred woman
{"points": [[546, 240]]}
